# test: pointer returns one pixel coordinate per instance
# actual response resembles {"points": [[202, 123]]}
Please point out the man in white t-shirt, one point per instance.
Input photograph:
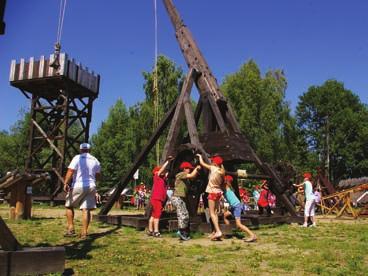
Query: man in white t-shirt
{"points": [[80, 186]]}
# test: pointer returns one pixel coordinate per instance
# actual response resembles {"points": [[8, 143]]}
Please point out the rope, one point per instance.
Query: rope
{"points": [[61, 20], [57, 47], [155, 86]]}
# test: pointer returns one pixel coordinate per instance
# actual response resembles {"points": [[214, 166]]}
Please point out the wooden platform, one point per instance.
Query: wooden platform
{"points": [[169, 222], [37, 77]]}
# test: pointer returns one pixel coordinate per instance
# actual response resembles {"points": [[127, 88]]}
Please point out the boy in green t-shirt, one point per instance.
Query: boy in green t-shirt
{"points": [[178, 199]]}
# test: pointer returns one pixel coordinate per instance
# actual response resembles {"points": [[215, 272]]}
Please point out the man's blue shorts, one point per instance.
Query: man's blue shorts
{"points": [[236, 210]]}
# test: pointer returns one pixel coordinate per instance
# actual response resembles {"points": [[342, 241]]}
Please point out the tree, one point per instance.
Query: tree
{"points": [[14, 145], [126, 131], [262, 112], [113, 145], [334, 122]]}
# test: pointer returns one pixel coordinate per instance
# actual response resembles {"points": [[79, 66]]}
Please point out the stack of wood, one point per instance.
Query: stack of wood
{"points": [[19, 186]]}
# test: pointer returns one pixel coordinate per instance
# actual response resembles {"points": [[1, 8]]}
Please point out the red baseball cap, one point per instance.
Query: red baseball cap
{"points": [[228, 178], [186, 165], [217, 160], [307, 175], [155, 170]]}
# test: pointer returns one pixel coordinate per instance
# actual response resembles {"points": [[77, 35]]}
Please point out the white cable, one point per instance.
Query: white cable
{"points": [[61, 20]]}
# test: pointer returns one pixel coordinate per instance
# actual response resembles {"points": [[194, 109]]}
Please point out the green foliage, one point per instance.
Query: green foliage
{"points": [[113, 144], [14, 145], [332, 113], [262, 112]]}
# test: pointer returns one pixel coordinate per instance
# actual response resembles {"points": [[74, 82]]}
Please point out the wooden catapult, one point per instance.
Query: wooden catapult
{"points": [[340, 203], [220, 132]]}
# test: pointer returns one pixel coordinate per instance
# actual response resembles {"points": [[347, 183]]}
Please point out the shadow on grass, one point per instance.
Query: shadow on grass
{"points": [[77, 250]]}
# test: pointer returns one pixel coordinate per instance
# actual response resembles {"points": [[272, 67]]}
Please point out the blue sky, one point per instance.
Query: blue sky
{"points": [[312, 41]]}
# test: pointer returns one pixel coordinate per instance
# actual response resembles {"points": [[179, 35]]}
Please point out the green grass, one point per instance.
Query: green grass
{"points": [[330, 249]]}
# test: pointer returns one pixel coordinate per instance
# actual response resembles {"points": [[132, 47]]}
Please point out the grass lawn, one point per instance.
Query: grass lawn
{"points": [[337, 247]]}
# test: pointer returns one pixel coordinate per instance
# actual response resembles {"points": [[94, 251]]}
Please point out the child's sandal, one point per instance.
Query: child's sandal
{"points": [[156, 234]]}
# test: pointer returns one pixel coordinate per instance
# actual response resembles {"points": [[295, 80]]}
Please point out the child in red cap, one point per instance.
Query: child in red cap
{"points": [[215, 180], [158, 197], [235, 209], [178, 199], [310, 203], [263, 199]]}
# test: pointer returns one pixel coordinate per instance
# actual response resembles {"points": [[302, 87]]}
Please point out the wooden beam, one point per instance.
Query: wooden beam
{"points": [[47, 139], [172, 136], [7, 240], [191, 124], [139, 160], [37, 261]]}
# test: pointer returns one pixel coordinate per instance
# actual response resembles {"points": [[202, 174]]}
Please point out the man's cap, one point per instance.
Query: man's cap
{"points": [[186, 165], [84, 146], [228, 178], [217, 160]]}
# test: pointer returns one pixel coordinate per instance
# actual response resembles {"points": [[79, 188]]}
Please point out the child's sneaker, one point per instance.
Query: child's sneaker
{"points": [[305, 225], [314, 225], [183, 236]]}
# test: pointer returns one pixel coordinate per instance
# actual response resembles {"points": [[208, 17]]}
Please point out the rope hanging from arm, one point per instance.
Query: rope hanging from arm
{"points": [[57, 47]]}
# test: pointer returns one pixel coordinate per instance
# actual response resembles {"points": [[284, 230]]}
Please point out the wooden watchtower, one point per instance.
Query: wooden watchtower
{"points": [[61, 109]]}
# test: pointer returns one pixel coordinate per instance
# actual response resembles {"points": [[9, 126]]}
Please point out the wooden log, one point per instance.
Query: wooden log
{"points": [[21, 198], [4, 261], [192, 127], [41, 68], [63, 64], [13, 66], [28, 203], [38, 260], [30, 68], [12, 202], [172, 137], [7, 240], [21, 69]]}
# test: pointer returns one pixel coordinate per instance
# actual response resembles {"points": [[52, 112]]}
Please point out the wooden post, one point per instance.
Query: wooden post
{"points": [[21, 197], [28, 202], [12, 202]]}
